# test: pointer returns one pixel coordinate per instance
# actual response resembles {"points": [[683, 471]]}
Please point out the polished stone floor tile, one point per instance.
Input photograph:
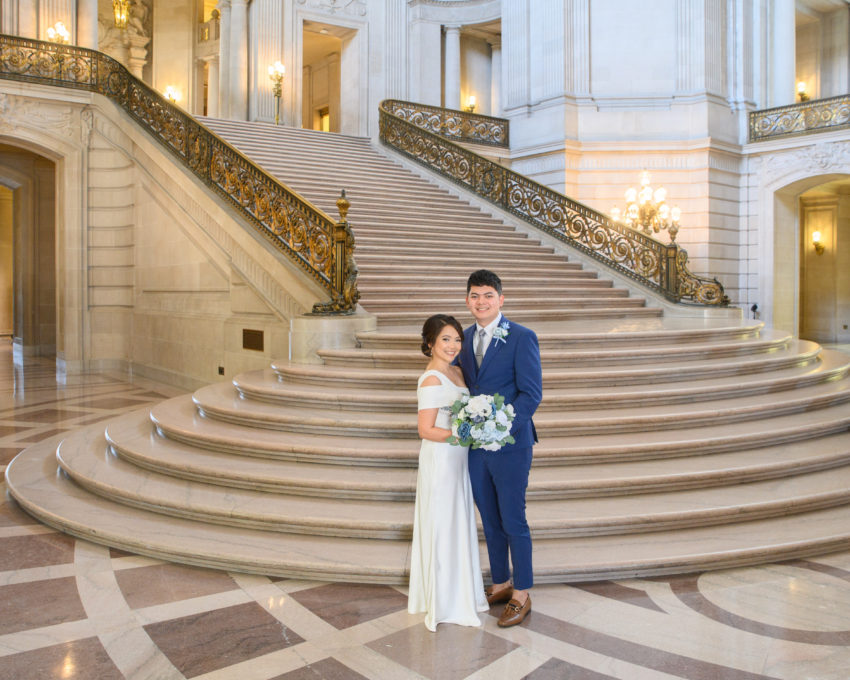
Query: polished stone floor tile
{"points": [[211, 640], [344, 605], [161, 583], [11, 513], [23, 552], [326, 669], [556, 669], [452, 653], [39, 603], [79, 660], [7, 453]]}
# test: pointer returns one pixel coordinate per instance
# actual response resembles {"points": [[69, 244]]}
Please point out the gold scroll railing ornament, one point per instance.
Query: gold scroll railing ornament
{"points": [[662, 268], [292, 224], [819, 115], [458, 126]]}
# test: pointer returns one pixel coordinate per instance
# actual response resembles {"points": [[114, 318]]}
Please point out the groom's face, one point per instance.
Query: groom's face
{"points": [[484, 303]]}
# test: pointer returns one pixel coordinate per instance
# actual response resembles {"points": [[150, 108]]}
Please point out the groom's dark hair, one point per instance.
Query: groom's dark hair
{"points": [[484, 277]]}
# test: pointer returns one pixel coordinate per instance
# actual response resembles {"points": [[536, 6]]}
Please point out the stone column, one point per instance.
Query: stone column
{"points": [[27, 20], [212, 88], [87, 23], [224, 59], [239, 59], [495, 78], [783, 59], [452, 68]]}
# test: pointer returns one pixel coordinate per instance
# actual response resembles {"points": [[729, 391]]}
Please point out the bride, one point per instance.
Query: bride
{"points": [[445, 572]]}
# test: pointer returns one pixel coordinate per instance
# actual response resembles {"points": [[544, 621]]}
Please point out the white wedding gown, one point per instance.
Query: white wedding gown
{"points": [[445, 571]]}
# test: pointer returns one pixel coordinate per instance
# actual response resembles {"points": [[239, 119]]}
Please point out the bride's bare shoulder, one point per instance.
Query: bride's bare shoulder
{"points": [[430, 381]]}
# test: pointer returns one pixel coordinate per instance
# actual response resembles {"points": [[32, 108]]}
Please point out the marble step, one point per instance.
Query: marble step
{"points": [[456, 281], [403, 244], [222, 402], [415, 226], [388, 319], [449, 257], [403, 269], [412, 358], [85, 457], [132, 438], [395, 390], [517, 300], [58, 502], [599, 334], [455, 305], [179, 420]]}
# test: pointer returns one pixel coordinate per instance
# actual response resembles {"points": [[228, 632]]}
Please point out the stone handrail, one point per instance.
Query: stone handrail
{"points": [[662, 268], [820, 115], [458, 126], [320, 245]]}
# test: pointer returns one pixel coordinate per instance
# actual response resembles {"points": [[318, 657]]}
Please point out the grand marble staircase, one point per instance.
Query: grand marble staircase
{"points": [[667, 444]]}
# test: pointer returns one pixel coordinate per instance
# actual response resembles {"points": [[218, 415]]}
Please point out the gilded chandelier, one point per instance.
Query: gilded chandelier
{"points": [[648, 211], [121, 11]]}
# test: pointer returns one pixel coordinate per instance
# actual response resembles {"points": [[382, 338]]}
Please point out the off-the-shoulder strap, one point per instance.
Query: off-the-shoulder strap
{"points": [[442, 378]]}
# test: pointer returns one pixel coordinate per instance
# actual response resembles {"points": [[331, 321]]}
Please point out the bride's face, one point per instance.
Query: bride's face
{"points": [[447, 344]]}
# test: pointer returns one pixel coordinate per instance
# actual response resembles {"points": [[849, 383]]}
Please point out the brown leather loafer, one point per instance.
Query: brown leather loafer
{"points": [[514, 613], [502, 595]]}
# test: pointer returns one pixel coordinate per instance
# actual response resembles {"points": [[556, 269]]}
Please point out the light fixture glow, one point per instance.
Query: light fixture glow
{"points": [[121, 12], [276, 72], [646, 209], [817, 242], [59, 34], [801, 91], [470, 104], [172, 94]]}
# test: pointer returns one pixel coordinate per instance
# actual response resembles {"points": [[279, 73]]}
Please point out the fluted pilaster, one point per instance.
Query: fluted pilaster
{"points": [[87, 23], [395, 32], [51, 11], [452, 68], [239, 59], [578, 51], [690, 46], [213, 79], [224, 59], [781, 69], [267, 46], [495, 79], [515, 91], [547, 24]]}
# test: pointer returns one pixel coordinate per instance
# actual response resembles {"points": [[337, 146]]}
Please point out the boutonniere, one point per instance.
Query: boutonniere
{"points": [[501, 331]]}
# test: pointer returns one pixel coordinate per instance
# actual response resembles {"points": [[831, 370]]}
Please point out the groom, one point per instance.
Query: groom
{"points": [[502, 356]]}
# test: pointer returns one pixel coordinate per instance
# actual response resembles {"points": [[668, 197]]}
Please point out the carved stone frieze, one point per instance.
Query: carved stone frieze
{"points": [[811, 160], [20, 113], [352, 7]]}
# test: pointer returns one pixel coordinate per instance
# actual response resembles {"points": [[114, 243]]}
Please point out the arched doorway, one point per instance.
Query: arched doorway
{"points": [[28, 239], [332, 60], [824, 215]]}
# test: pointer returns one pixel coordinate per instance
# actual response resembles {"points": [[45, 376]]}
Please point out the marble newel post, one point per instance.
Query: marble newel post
{"points": [[495, 79], [239, 59], [87, 23], [783, 58], [452, 74], [224, 59]]}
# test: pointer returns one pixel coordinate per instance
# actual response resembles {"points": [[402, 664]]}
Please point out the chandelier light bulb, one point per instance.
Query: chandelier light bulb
{"points": [[644, 178], [676, 214], [615, 214], [660, 195], [631, 195]]}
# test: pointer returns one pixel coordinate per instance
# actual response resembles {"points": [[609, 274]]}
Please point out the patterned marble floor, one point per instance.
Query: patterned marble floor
{"points": [[73, 609]]}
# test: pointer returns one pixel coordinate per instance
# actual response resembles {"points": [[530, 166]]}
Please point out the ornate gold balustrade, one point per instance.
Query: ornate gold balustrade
{"points": [[321, 246], [662, 268], [819, 115], [458, 126]]}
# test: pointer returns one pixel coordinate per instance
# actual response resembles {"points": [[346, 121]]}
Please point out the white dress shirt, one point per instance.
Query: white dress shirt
{"points": [[488, 334]]}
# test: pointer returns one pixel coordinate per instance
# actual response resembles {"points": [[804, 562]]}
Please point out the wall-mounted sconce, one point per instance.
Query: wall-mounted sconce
{"points": [[817, 242], [801, 91], [59, 34], [121, 12], [470, 104], [276, 72], [172, 94]]}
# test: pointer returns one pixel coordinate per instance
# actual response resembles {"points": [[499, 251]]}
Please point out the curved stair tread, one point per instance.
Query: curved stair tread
{"points": [[33, 481], [598, 333], [584, 357], [178, 419], [85, 457], [133, 438], [221, 401]]}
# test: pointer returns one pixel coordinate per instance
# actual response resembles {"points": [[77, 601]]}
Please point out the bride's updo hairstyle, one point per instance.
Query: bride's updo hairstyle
{"points": [[432, 327]]}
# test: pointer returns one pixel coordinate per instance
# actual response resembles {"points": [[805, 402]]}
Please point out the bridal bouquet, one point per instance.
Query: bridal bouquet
{"points": [[482, 422]]}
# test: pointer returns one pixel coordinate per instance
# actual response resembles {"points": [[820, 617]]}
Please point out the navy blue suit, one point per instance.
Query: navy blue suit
{"points": [[500, 478]]}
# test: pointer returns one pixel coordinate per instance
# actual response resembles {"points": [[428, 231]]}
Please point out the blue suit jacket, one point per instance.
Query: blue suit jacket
{"points": [[511, 368]]}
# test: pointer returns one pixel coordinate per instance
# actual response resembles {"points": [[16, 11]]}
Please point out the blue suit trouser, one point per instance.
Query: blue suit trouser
{"points": [[499, 480]]}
